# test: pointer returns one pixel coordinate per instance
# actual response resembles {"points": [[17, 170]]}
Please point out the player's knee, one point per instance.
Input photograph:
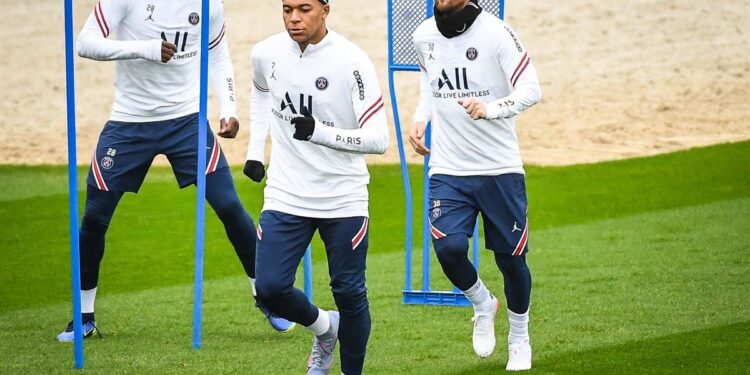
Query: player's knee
{"points": [[511, 265], [351, 301], [228, 207], [271, 289], [452, 248], [95, 223]]}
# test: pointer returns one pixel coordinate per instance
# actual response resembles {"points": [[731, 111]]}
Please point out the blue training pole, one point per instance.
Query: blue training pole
{"points": [[401, 152], [75, 260], [307, 269], [426, 214], [200, 210]]}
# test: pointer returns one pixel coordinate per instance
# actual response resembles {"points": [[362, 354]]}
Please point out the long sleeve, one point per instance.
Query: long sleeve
{"points": [[423, 113], [517, 66], [371, 136], [260, 113], [104, 19], [221, 75], [221, 71]]}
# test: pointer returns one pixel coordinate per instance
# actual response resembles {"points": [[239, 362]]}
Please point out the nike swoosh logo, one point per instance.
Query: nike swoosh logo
{"points": [[462, 29]]}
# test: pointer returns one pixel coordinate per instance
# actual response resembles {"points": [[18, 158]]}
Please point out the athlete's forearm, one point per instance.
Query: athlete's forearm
{"points": [[96, 47], [423, 112], [371, 139], [260, 120], [526, 94], [221, 74]]}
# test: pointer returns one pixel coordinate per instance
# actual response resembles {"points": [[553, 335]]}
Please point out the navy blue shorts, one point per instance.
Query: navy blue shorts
{"points": [[126, 150], [283, 240], [455, 202]]}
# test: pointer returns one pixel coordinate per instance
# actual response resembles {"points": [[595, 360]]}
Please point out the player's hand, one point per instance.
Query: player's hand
{"points": [[416, 138], [304, 126], [476, 108], [254, 170], [228, 129], [167, 51]]}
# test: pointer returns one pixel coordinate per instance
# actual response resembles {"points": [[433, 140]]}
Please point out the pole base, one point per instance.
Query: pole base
{"points": [[439, 298]]}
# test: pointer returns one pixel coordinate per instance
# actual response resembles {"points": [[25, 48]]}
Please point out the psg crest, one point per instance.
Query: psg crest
{"points": [[321, 83], [472, 53], [194, 18], [107, 162]]}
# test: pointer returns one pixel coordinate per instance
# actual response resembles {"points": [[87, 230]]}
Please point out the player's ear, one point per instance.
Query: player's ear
{"points": [[326, 10]]}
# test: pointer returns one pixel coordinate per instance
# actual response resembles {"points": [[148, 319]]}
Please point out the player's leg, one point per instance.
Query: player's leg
{"points": [[504, 208], [346, 241], [119, 165], [453, 213], [181, 150], [282, 242], [240, 229]]}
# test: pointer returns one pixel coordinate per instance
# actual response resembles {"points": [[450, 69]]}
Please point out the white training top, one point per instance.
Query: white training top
{"points": [[146, 89], [487, 62], [326, 177]]}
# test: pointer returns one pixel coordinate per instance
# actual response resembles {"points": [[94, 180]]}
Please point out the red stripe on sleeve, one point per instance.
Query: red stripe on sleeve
{"points": [[521, 72], [104, 20], [379, 101]]}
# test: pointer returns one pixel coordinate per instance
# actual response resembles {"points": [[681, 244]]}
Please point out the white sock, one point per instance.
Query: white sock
{"points": [[519, 326], [321, 325], [478, 294], [252, 285], [87, 300]]}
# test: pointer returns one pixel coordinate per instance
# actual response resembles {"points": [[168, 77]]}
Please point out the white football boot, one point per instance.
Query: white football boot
{"points": [[519, 356], [483, 338]]}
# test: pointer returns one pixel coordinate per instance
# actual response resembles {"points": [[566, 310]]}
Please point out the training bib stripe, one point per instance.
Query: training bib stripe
{"points": [[361, 234]]}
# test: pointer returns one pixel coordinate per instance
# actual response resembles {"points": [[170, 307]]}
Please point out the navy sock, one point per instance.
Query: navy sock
{"points": [[238, 224], [517, 280]]}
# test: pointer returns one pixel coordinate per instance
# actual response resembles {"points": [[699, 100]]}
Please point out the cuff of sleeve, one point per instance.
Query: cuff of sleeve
{"points": [[152, 49], [226, 115], [322, 134], [252, 154], [420, 117]]}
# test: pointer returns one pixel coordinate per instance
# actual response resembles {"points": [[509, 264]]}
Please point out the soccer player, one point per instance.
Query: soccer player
{"points": [[476, 76], [157, 50], [320, 96]]}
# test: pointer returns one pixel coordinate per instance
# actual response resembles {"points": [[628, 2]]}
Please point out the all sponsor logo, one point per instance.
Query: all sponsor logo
{"points": [[457, 81], [304, 101]]}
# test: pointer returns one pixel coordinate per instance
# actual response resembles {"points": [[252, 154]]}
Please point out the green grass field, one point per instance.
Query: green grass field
{"points": [[639, 266]]}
